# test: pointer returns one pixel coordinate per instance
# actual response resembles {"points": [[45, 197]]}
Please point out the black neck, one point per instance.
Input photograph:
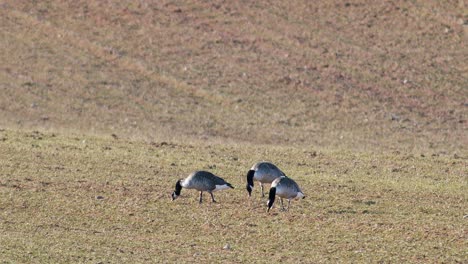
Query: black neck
{"points": [[178, 188], [271, 197], [250, 176], [250, 183]]}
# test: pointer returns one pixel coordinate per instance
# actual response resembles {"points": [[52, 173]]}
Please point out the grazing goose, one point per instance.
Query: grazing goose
{"points": [[202, 181], [286, 188], [263, 172]]}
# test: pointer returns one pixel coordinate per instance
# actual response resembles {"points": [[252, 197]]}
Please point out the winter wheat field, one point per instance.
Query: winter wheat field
{"points": [[104, 105]]}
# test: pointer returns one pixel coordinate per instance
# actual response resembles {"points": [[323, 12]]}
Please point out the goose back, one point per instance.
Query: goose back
{"points": [[287, 188], [266, 172], [204, 181]]}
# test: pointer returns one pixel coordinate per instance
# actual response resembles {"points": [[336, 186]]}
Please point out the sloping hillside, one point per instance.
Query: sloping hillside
{"points": [[358, 74], [105, 104]]}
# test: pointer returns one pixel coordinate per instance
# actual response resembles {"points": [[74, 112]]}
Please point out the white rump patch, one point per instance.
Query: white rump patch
{"points": [[221, 187], [299, 195]]}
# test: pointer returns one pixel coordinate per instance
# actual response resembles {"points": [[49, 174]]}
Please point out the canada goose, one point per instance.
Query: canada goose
{"points": [[202, 181], [286, 188], [263, 172]]}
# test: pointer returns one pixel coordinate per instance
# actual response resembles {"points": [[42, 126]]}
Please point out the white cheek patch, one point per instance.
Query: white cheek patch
{"points": [[221, 187]]}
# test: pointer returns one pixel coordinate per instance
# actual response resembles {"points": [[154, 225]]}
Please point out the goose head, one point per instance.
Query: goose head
{"points": [[178, 188]]}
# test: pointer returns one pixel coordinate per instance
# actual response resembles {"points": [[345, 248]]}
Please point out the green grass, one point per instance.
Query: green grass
{"points": [[360, 207]]}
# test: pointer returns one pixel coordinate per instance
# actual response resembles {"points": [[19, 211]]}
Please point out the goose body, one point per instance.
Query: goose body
{"points": [[202, 181], [263, 172], [285, 188]]}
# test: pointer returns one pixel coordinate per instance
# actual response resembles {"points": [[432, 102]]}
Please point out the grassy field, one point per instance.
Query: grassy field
{"points": [[87, 199], [104, 105]]}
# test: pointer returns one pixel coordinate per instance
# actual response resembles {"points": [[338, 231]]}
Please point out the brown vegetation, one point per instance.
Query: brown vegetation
{"points": [[105, 104], [359, 74]]}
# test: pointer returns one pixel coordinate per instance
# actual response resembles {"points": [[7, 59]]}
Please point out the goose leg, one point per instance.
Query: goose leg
{"points": [[201, 196], [289, 203], [212, 198], [282, 205], [261, 187]]}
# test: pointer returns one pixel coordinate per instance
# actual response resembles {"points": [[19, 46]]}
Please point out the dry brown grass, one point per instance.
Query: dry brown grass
{"points": [[364, 103], [359, 75]]}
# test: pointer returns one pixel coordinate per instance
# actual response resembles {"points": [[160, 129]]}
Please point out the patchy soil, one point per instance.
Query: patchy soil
{"points": [[356, 75]]}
